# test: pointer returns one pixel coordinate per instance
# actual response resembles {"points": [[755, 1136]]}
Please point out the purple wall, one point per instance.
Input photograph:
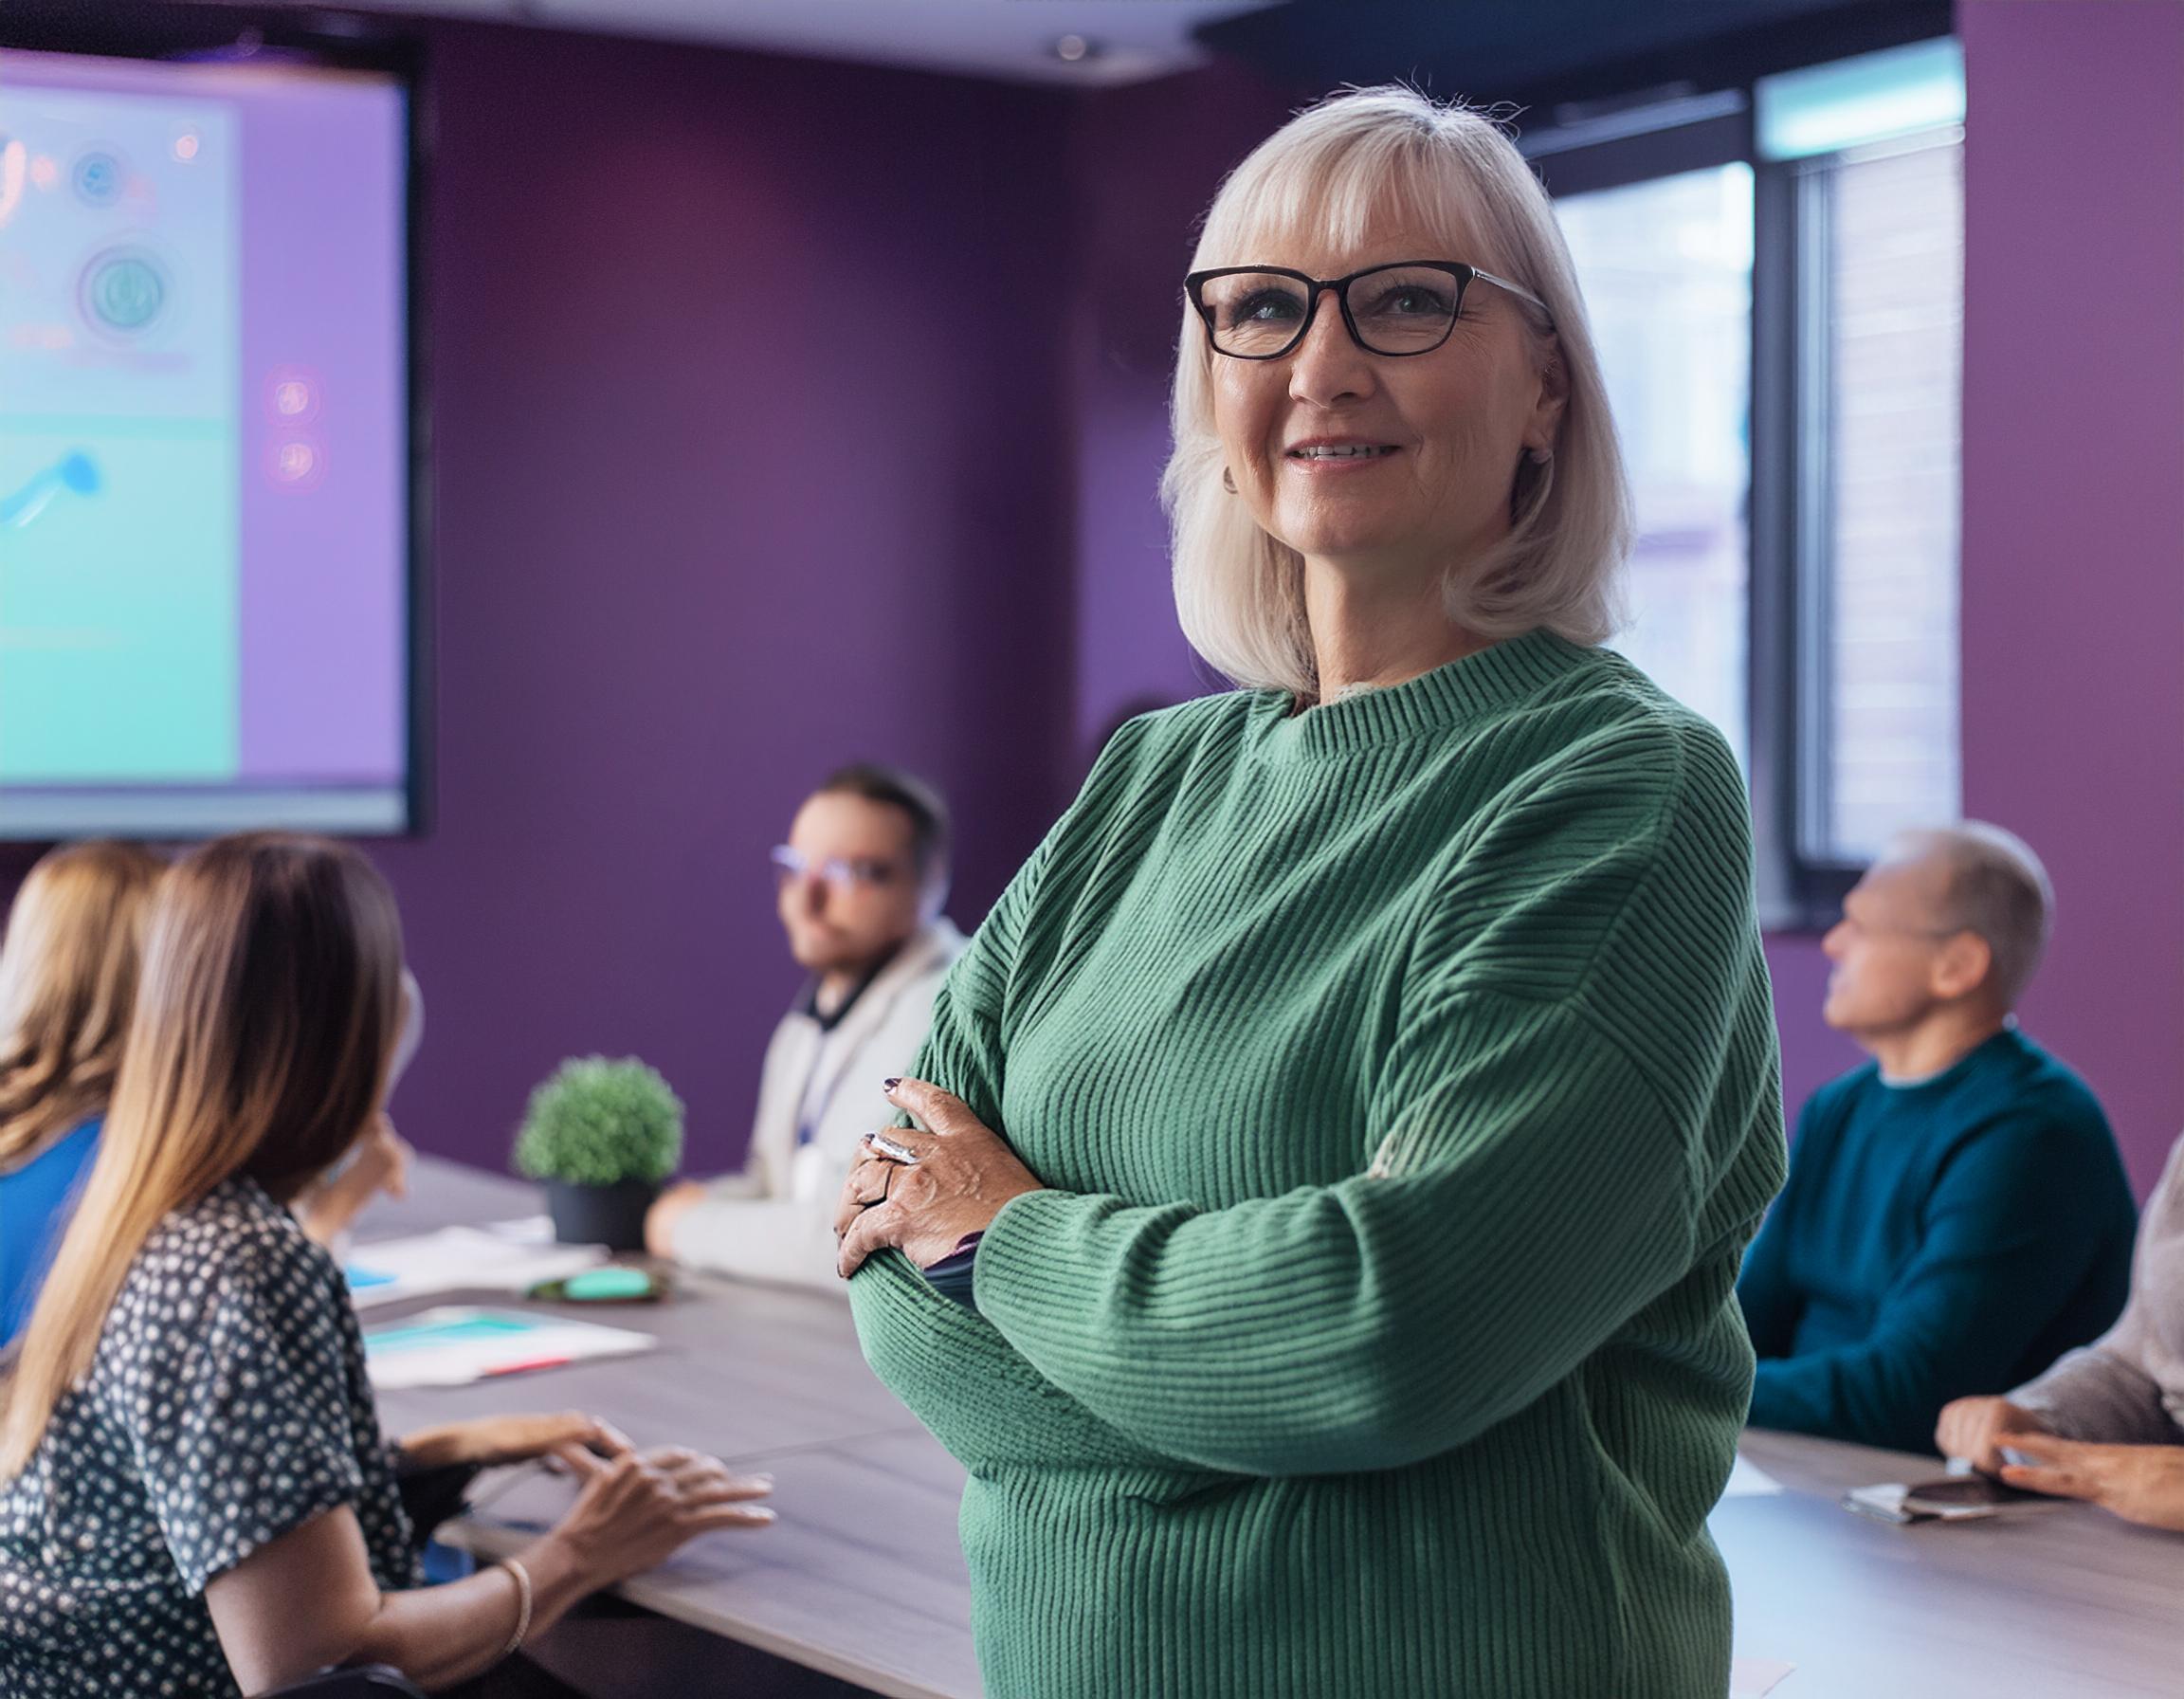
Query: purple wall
{"points": [[749, 459], [744, 464], [2073, 393], [2073, 538], [1146, 162], [2073, 552], [2074, 516]]}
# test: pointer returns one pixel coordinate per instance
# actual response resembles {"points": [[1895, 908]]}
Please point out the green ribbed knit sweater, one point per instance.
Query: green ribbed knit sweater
{"points": [[1405, 1079]]}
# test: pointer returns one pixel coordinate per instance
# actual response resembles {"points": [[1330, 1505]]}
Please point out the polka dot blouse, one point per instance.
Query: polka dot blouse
{"points": [[227, 1405]]}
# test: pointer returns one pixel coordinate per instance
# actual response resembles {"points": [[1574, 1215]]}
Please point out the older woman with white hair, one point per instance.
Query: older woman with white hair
{"points": [[1320, 1211]]}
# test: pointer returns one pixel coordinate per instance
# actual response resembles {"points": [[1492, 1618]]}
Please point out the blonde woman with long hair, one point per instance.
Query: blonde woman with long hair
{"points": [[194, 1495], [67, 984]]}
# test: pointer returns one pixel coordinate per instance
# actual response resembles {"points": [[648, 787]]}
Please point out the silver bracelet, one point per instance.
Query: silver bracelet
{"points": [[522, 1605]]}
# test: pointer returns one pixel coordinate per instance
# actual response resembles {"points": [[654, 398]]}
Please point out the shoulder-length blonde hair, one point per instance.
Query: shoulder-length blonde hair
{"points": [[1338, 171], [265, 1020], [68, 985]]}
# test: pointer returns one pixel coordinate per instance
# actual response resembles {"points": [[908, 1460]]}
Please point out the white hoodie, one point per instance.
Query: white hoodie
{"points": [[775, 1221]]}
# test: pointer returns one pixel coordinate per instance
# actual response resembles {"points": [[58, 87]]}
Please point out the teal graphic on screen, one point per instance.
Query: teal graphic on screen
{"points": [[119, 439], [206, 514]]}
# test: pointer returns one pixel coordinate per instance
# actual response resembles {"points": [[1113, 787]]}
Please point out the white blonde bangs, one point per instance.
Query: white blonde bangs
{"points": [[1359, 162]]}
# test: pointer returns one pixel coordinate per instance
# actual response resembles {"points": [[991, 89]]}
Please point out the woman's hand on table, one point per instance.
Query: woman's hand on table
{"points": [[637, 1510], [1972, 1429], [955, 1180], [308, 1597], [2139, 1483], [492, 1440]]}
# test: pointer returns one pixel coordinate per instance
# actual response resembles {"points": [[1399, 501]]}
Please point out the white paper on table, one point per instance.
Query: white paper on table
{"points": [[1756, 1677], [457, 1345], [1748, 1480], [460, 1259], [523, 1229]]}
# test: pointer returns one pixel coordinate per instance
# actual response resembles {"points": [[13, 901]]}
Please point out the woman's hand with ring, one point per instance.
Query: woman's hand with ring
{"points": [[947, 1184], [869, 1182], [867, 1187]]}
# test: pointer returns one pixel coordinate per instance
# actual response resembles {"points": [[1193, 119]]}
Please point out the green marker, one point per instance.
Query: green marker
{"points": [[614, 1284]]}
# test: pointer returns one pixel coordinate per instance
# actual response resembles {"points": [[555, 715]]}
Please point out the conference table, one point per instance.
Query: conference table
{"points": [[862, 1578]]}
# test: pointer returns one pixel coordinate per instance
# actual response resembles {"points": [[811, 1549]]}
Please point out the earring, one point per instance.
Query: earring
{"points": [[1227, 481], [1539, 457]]}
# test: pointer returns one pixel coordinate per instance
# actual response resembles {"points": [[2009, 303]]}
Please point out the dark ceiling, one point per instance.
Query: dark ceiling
{"points": [[1555, 53]]}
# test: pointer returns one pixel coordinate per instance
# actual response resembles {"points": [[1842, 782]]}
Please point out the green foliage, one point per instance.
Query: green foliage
{"points": [[594, 1122]]}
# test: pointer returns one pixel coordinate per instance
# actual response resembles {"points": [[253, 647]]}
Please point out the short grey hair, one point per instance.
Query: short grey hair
{"points": [[1337, 169], [1997, 889]]}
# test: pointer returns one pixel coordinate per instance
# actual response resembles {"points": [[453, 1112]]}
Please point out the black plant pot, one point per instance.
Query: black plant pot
{"points": [[609, 1216]]}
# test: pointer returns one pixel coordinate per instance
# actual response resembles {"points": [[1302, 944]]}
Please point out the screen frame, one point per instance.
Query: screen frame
{"points": [[158, 32]]}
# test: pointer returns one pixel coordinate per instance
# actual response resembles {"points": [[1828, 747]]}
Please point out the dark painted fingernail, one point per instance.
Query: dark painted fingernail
{"points": [[890, 1084]]}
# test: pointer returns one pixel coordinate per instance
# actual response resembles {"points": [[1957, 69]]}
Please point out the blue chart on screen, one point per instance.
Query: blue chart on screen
{"points": [[121, 440], [77, 473]]}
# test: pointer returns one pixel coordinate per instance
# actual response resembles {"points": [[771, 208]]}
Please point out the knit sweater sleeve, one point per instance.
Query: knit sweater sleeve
{"points": [[963, 1051], [2102, 1394], [1767, 1287], [1541, 1139], [1764, 1290]]}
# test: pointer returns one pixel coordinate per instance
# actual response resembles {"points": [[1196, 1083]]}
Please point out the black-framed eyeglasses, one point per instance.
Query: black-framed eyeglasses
{"points": [[1409, 306]]}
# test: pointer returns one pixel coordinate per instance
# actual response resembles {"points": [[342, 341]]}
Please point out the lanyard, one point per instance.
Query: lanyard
{"points": [[809, 1113]]}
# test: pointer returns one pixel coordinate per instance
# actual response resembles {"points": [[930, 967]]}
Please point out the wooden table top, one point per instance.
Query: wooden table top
{"points": [[863, 1576]]}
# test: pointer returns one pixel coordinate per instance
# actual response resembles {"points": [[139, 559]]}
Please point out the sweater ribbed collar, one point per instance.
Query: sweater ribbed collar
{"points": [[1461, 693]]}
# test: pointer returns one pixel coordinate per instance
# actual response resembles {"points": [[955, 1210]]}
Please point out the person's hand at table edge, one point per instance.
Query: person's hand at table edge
{"points": [[1971, 1428], [667, 1208], [924, 1193], [2139, 1483]]}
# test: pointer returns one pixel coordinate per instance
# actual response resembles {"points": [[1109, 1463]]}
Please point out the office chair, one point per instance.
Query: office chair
{"points": [[371, 1681]]}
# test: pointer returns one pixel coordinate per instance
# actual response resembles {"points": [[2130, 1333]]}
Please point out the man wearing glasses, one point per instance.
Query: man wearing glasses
{"points": [[1957, 1215], [860, 885]]}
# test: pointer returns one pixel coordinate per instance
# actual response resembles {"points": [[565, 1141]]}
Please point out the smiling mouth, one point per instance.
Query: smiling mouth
{"points": [[1344, 451]]}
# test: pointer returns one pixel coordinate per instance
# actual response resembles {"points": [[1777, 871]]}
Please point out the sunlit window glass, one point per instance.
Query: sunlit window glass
{"points": [[1666, 267]]}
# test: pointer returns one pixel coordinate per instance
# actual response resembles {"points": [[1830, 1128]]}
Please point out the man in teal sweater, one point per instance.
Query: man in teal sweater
{"points": [[1957, 1215]]}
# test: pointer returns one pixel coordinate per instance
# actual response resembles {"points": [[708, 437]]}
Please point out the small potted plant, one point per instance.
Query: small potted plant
{"points": [[601, 1136]]}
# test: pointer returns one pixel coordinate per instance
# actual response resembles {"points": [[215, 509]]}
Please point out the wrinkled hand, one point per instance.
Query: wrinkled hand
{"points": [[960, 1174], [491, 1440], [2139, 1483], [1970, 1429]]}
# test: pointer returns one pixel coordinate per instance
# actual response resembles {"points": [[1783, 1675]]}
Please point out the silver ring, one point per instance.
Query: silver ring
{"points": [[892, 1151]]}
